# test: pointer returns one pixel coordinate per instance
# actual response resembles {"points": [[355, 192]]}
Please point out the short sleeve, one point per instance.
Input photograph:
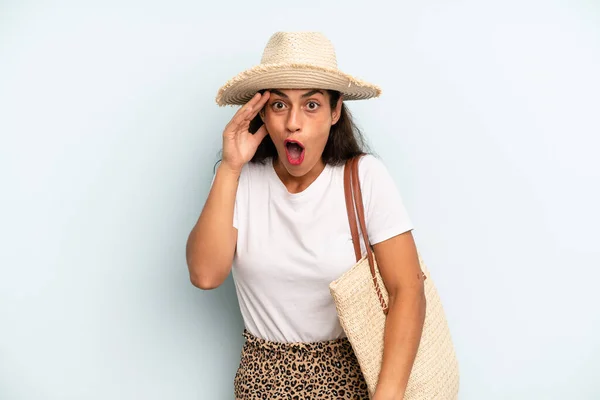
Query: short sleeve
{"points": [[385, 212], [240, 195]]}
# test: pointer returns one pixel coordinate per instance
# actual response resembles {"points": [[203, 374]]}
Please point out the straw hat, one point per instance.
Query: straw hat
{"points": [[295, 60]]}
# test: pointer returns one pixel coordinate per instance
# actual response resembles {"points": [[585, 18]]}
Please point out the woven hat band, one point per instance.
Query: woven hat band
{"points": [[300, 48]]}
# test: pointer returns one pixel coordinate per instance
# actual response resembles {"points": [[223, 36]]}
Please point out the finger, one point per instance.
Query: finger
{"points": [[254, 107], [242, 111], [246, 109], [252, 102], [240, 122], [259, 106], [260, 134]]}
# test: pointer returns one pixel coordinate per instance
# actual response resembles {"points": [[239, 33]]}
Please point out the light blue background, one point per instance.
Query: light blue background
{"points": [[489, 122]]}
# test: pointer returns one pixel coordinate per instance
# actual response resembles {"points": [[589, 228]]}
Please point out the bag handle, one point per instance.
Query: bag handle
{"points": [[350, 208], [356, 211]]}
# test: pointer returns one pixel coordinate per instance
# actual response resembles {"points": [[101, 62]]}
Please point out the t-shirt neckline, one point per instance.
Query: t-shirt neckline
{"points": [[295, 196]]}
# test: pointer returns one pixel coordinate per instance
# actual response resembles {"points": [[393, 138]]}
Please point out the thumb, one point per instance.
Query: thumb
{"points": [[259, 135]]}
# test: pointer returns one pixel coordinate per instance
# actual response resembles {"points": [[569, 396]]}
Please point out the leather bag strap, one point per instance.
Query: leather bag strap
{"points": [[356, 211], [350, 208]]}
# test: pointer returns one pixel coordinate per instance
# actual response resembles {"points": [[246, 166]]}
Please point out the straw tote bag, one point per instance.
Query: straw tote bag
{"points": [[361, 301]]}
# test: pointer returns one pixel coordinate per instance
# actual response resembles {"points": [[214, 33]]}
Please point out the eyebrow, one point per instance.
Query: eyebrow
{"points": [[305, 95]]}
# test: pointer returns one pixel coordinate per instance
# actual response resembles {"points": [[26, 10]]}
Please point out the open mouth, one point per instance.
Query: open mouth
{"points": [[294, 151]]}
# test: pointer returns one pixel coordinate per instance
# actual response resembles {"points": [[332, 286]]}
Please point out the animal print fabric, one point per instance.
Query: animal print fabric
{"points": [[294, 371]]}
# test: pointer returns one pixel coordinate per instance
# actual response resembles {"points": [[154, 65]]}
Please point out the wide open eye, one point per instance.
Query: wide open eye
{"points": [[312, 105], [277, 105]]}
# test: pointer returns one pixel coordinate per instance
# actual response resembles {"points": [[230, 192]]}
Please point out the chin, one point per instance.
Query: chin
{"points": [[295, 170], [299, 170]]}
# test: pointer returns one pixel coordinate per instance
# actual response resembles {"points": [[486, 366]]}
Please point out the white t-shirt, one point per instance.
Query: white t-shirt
{"points": [[291, 246]]}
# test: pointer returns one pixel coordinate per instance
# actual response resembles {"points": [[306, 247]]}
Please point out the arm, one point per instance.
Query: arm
{"points": [[398, 263], [211, 244]]}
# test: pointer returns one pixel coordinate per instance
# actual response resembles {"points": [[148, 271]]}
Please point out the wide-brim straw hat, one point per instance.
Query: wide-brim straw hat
{"points": [[295, 60]]}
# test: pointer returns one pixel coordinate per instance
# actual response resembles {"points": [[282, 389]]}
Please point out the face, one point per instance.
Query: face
{"points": [[299, 121]]}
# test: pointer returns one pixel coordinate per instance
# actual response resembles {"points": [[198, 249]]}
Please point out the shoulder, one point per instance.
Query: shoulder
{"points": [[372, 168], [250, 172], [376, 178], [370, 161], [257, 168], [255, 175], [385, 212], [251, 169]]}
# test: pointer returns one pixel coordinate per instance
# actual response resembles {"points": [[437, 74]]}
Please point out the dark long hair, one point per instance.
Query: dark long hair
{"points": [[345, 138]]}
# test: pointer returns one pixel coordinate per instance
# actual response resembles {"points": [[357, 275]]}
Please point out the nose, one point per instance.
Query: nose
{"points": [[294, 120]]}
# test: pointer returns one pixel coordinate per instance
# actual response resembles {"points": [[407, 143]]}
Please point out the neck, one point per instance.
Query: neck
{"points": [[296, 184]]}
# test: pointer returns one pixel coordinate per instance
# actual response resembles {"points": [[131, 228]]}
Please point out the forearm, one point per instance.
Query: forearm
{"points": [[211, 244], [404, 325]]}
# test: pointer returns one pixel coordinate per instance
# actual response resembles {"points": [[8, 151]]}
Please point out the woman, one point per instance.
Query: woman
{"points": [[275, 217]]}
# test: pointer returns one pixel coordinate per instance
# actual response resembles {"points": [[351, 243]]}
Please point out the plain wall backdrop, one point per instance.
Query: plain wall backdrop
{"points": [[489, 121]]}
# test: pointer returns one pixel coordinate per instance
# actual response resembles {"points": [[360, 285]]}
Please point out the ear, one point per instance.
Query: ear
{"points": [[337, 111]]}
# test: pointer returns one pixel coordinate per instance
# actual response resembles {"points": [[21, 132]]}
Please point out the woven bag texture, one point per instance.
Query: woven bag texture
{"points": [[435, 372]]}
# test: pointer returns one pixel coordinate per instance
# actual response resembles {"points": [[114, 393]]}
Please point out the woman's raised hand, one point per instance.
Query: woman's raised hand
{"points": [[239, 145]]}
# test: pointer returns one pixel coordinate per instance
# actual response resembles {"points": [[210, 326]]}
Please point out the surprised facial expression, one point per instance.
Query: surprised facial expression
{"points": [[299, 121]]}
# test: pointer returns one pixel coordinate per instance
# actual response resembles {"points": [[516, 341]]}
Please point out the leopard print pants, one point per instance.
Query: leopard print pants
{"points": [[321, 370]]}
